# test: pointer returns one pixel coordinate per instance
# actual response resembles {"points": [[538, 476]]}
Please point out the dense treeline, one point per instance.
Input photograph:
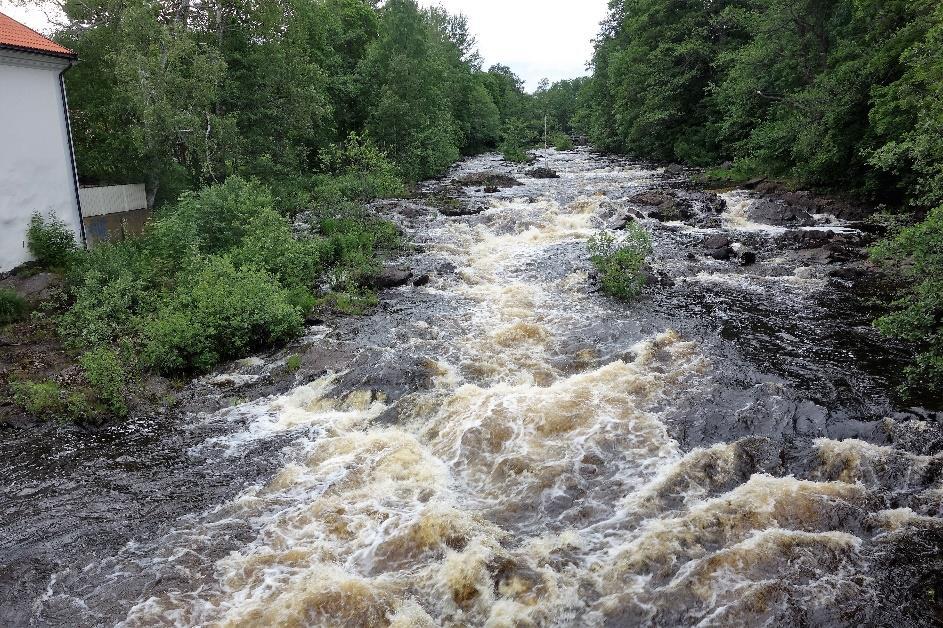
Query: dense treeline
{"points": [[182, 94], [835, 94]]}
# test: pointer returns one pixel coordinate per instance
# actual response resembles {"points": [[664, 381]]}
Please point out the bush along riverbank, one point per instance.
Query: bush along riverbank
{"points": [[216, 276]]}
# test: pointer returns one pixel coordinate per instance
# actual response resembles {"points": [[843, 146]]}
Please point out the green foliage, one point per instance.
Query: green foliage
{"points": [[293, 363], [185, 98], [621, 263], [838, 94], [917, 254], [12, 306], [562, 141], [515, 139], [106, 375], [50, 241], [353, 247], [38, 398], [357, 171], [217, 312]]}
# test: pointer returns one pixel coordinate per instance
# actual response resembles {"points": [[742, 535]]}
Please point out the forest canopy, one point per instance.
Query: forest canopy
{"points": [[183, 94]]}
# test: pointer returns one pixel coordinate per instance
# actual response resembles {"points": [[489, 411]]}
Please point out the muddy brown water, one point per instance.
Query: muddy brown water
{"points": [[507, 447]]}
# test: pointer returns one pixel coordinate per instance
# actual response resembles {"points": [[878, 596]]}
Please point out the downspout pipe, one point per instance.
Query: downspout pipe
{"points": [[68, 128]]}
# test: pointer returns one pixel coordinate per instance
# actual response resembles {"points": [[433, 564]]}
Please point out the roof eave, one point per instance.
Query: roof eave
{"points": [[49, 53]]}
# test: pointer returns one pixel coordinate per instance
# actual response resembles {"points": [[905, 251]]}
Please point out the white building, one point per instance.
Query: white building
{"points": [[37, 166]]}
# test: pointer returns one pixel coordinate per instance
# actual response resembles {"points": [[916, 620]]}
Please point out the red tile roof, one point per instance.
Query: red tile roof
{"points": [[15, 35]]}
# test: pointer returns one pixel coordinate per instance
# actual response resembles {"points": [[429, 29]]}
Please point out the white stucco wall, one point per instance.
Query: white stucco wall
{"points": [[35, 165]]}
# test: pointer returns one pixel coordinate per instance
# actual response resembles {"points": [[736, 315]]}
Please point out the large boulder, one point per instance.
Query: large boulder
{"points": [[666, 206], [392, 277], [776, 214]]}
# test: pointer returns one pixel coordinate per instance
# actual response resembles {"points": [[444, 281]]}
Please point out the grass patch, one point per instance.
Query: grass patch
{"points": [[38, 398], [293, 363]]}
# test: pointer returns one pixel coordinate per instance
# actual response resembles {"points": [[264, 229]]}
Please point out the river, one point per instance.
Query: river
{"points": [[505, 446]]}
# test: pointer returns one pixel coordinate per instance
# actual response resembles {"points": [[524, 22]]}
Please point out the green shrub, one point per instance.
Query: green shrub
{"points": [[515, 155], [916, 253], [50, 241], [38, 398], [353, 248], [218, 313], [621, 264], [358, 171], [12, 306], [562, 141], [515, 138], [213, 220], [105, 374], [293, 363]]}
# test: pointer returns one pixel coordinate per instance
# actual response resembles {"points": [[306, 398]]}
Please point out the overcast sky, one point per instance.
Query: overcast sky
{"points": [[536, 38]]}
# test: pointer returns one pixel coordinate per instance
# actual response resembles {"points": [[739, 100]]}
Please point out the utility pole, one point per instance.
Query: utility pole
{"points": [[545, 131]]}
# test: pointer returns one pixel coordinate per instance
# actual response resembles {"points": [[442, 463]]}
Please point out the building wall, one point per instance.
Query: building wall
{"points": [[35, 162]]}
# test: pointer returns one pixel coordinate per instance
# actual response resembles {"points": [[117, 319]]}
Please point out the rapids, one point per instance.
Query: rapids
{"points": [[507, 447]]}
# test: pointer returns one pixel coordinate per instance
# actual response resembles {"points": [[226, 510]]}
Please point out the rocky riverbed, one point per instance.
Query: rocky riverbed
{"points": [[500, 444]]}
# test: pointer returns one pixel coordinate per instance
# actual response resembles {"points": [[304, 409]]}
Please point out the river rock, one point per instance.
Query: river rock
{"points": [[807, 238], [422, 280], [667, 206], [716, 241], [674, 170], [542, 173], [491, 189], [460, 209], [747, 257], [714, 203], [722, 254], [652, 199], [770, 213], [392, 278]]}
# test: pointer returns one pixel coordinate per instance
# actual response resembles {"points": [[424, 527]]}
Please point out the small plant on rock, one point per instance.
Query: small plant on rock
{"points": [[621, 263]]}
